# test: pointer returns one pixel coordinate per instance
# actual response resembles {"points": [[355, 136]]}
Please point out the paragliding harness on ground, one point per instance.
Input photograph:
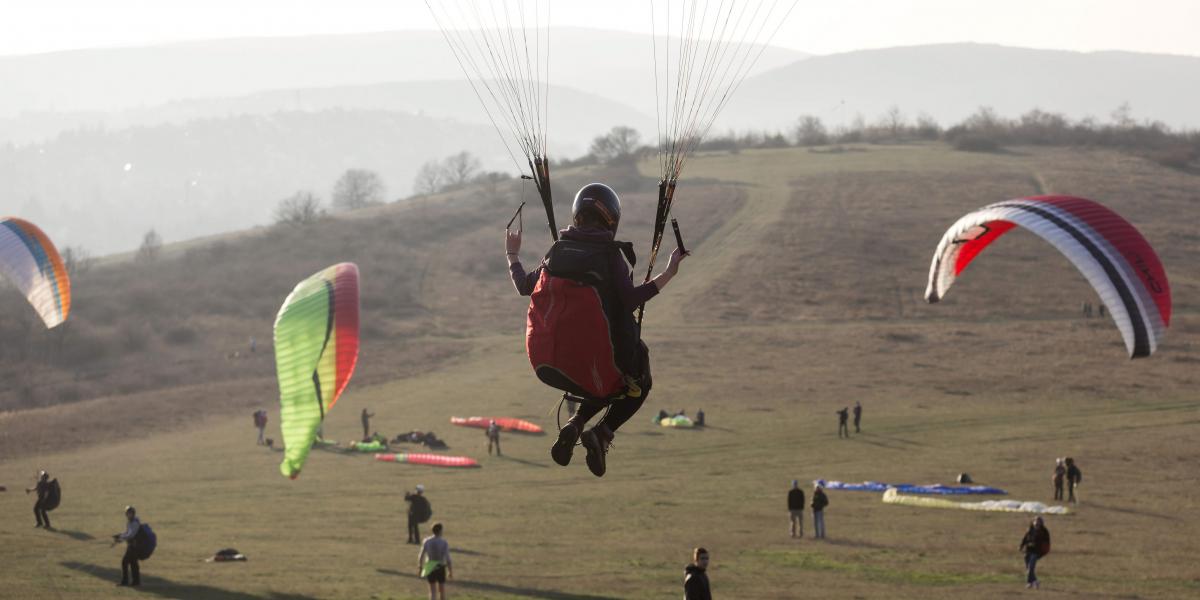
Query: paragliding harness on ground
{"points": [[578, 338]]}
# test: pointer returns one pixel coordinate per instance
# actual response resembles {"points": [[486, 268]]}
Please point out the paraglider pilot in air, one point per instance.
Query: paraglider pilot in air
{"points": [[587, 271]]}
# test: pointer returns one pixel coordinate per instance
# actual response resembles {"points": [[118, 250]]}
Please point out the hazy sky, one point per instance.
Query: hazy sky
{"points": [[818, 26]]}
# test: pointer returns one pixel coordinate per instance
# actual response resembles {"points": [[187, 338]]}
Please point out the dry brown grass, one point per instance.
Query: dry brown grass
{"points": [[802, 297]]}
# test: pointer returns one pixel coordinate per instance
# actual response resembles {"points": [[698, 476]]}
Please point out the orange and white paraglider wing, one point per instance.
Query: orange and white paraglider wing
{"points": [[31, 262], [1110, 252]]}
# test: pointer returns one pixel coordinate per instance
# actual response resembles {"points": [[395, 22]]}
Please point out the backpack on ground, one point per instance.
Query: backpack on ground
{"points": [[144, 542], [53, 496], [577, 336]]}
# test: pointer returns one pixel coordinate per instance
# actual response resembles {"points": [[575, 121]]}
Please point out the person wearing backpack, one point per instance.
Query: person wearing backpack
{"points": [[130, 561], [419, 511], [1074, 478], [587, 270], [260, 422], [1035, 545], [41, 506], [819, 502]]}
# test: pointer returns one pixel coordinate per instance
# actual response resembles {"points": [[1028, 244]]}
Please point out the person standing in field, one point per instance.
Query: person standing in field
{"points": [[366, 423], [1035, 545], [433, 563], [819, 502], [843, 419], [796, 509], [857, 416], [1060, 476], [695, 577], [419, 511], [129, 562], [493, 437], [42, 487], [260, 421], [1074, 478]]}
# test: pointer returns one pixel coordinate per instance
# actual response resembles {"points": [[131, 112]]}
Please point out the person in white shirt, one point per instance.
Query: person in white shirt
{"points": [[130, 560]]}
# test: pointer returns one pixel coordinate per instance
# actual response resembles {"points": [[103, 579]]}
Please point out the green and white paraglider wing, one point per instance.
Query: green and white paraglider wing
{"points": [[316, 349]]}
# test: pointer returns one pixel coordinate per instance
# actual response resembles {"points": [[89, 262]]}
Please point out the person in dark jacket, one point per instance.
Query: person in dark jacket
{"points": [[1074, 478], [1035, 545], [1060, 476], [695, 577], [857, 416], [42, 487], [819, 502], [129, 562], [843, 419], [796, 508], [493, 437], [419, 511], [366, 423], [596, 213]]}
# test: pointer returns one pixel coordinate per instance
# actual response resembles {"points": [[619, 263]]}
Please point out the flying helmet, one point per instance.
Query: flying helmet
{"points": [[599, 200]]}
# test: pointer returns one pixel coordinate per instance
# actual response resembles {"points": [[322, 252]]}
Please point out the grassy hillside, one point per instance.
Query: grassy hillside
{"points": [[803, 296]]}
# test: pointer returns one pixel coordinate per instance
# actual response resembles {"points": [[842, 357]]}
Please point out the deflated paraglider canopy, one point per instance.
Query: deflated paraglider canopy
{"points": [[316, 349], [1110, 252], [31, 262]]}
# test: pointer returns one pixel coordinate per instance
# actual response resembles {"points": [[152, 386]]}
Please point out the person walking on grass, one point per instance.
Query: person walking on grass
{"points": [[129, 562], [695, 577], [843, 418], [419, 511], [433, 563], [1060, 476], [796, 509], [260, 422], [1074, 478], [819, 502], [42, 487], [493, 437], [1035, 545], [857, 416]]}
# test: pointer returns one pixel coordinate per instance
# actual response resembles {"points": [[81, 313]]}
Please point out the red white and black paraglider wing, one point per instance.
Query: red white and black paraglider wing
{"points": [[1107, 249]]}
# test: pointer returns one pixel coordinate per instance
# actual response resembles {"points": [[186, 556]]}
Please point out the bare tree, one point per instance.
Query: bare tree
{"points": [[151, 247], [431, 178], [77, 260], [893, 122], [810, 131], [1122, 116], [460, 168], [618, 143], [357, 188], [927, 128], [298, 209]]}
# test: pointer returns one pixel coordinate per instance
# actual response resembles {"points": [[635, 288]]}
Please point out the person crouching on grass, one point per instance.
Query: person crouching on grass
{"points": [[433, 563]]}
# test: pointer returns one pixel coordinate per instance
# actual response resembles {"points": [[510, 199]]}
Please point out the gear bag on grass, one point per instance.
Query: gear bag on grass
{"points": [[145, 541], [578, 337]]}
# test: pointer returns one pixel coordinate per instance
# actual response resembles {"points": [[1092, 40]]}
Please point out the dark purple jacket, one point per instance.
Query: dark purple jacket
{"points": [[631, 296]]}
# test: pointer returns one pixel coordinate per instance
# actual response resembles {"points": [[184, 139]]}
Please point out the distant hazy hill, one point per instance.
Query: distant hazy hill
{"points": [[214, 175], [951, 81], [614, 64], [575, 117]]}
